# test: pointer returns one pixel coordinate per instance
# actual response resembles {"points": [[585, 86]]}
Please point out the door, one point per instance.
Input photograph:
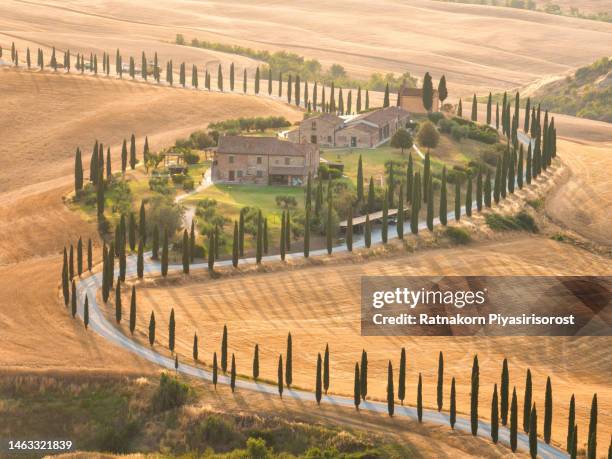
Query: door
{"points": [[313, 139], [232, 176]]}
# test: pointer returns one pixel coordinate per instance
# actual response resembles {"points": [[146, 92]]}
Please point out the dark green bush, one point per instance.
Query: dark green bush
{"points": [[171, 393], [458, 235]]}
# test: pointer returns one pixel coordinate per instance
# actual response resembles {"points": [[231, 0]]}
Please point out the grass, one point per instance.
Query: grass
{"points": [[521, 221]]}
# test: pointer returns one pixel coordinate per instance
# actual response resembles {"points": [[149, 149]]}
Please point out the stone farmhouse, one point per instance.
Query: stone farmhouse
{"points": [[264, 161], [411, 99], [366, 130]]}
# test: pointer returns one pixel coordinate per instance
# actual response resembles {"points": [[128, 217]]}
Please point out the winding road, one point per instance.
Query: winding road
{"points": [[88, 286]]}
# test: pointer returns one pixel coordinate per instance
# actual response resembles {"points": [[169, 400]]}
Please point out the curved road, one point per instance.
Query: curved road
{"points": [[99, 324]]}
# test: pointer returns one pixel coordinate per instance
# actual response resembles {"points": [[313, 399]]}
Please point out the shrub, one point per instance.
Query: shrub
{"points": [[178, 178], [326, 172], [458, 235], [456, 176], [435, 117], [285, 201], [164, 213], [428, 135], [521, 221], [459, 132], [256, 449], [446, 125], [188, 183], [159, 184], [170, 394], [191, 157]]}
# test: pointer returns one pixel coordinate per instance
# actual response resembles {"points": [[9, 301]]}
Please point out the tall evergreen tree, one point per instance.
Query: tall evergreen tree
{"points": [[80, 256], [164, 258], [328, 225], [426, 175], [195, 350], [367, 100], [457, 201], [257, 80], [259, 240], [571, 421], [349, 230], [256, 363], [356, 388], [280, 375], [453, 404], [440, 385], [468, 196], [270, 81], [289, 362], [527, 402], [489, 108], [474, 109], [592, 438], [289, 88], [487, 189], [442, 90], [152, 329], [132, 231], [139, 260], [224, 350], [78, 172], [220, 78], [215, 370], [474, 396], [326, 374], [244, 81], [386, 97], [133, 159], [401, 383], [186, 257], [194, 77], [73, 299], [443, 199], [235, 247], [427, 92], [171, 331], [363, 377], [241, 232], [416, 204], [155, 243], [420, 399], [89, 254], [494, 416], [390, 390], [504, 391], [360, 180], [318, 380], [297, 96], [460, 109], [368, 232], [233, 373], [513, 421], [232, 76], [118, 300], [385, 217], [307, 233], [86, 312], [371, 196], [548, 411], [533, 432], [400, 213]]}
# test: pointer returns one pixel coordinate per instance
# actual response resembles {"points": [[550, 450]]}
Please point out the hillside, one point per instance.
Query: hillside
{"points": [[586, 94]]}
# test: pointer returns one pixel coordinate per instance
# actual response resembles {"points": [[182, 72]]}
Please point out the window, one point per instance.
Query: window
{"points": [[287, 161], [353, 141], [239, 174], [313, 126], [259, 160], [329, 139], [231, 159], [259, 174]]}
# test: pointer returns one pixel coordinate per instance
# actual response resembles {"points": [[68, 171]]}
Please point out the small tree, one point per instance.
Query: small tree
{"points": [[326, 369], [118, 300], [152, 329], [548, 413], [318, 380], [401, 384], [474, 396], [401, 139], [195, 347], [494, 416], [233, 373], [533, 432], [356, 388], [453, 404], [133, 310], [215, 372], [428, 136], [171, 331], [440, 385], [513, 421], [289, 362], [420, 399], [224, 350], [390, 390], [256, 362], [280, 376], [571, 421]]}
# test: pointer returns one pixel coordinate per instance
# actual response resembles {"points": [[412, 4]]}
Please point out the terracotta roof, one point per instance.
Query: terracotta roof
{"points": [[381, 116], [245, 145], [360, 127], [328, 117]]}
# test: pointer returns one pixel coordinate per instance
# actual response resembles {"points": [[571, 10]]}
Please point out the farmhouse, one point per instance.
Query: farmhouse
{"points": [[264, 161], [319, 129], [366, 130], [411, 99]]}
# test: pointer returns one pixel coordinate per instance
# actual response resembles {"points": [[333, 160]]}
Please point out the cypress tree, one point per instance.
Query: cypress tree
{"points": [[533, 432], [494, 416], [171, 331], [318, 381], [224, 349], [474, 109], [257, 80], [132, 231], [363, 377], [71, 263], [297, 91], [400, 213], [427, 92], [367, 100], [498, 180], [270, 81], [468, 197], [326, 369], [386, 97], [192, 241], [349, 230], [328, 225], [497, 116], [442, 89], [548, 411], [426, 176], [307, 233], [235, 247], [109, 173], [194, 77], [479, 190], [133, 310], [527, 111], [73, 300], [289, 89], [360, 180], [164, 258], [232, 76], [215, 370], [349, 103], [118, 300], [280, 375], [244, 81], [332, 100], [487, 189], [520, 172], [430, 207], [358, 103], [186, 256], [390, 390], [574, 452], [152, 329], [460, 109], [443, 199], [289, 362], [504, 390], [511, 172], [401, 383], [105, 263], [474, 396], [195, 347], [440, 385], [420, 399], [144, 67], [513, 421], [89, 254], [280, 84], [371, 196], [340, 102], [259, 240], [220, 79], [124, 156], [86, 312], [571, 421], [78, 172], [282, 237], [288, 232], [155, 244], [457, 201], [416, 204], [133, 152], [142, 223], [265, 236], [528, 167], [314, 96], [256, 362], [80, 256], [241, 233], [356, 388], [233, 373], [385, 217], [527, 402], [489, 107], [592, 438], [368, 232], [453, 404]]}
